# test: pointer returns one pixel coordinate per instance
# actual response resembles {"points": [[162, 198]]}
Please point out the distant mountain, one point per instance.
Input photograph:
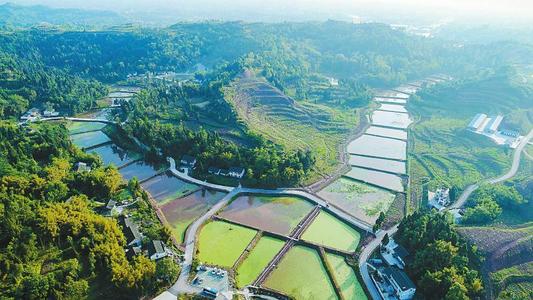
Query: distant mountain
{"points": [[17, 15]]}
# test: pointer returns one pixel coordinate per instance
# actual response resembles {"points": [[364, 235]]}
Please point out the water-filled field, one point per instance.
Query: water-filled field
{"points": [[181, 212], [140, 169], [391, 100], [221, 243], [363, 201], [257, 260], [378, 164], [386, 180], [387, 132], [301, 275], [331, 232], [112, 154], [79, 127], [89, 139], [166, 187], [391, 94], [351, 288], [391, 119], [276, 214], [120, 95], [392, 107], [378, 147], [407, 89]]}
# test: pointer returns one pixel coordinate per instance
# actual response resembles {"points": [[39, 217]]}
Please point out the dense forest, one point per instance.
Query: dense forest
{"points": [[442, 264], [52, 243]]}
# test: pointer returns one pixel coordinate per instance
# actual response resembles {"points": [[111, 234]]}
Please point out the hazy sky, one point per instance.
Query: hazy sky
{"points": [[506, 10]]}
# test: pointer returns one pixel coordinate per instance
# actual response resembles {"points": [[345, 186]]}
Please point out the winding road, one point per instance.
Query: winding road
{"points": [[512, 172]]}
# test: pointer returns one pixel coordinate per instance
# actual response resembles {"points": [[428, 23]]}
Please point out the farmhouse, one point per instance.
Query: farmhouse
{"points": [[394, 254], [236, 172], [440, 199], [131, 231], [157, 250], [188, 161], [82, 167], [31, 115], [50, 113], [403, 287]]}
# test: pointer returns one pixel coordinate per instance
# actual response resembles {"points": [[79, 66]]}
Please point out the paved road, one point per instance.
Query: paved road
{"points": [[365, 254], [182, 285], [512, 172]]}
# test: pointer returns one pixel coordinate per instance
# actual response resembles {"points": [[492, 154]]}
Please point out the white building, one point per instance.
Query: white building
{"points": [[403, 287], [394, 254], [477, 121], [440, 199], [493, 124]]}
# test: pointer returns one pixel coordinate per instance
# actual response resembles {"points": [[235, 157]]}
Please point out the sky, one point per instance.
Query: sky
{"points": [[284, 10]]}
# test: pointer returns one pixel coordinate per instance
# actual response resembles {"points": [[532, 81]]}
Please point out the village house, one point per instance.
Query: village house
{"points": [[31, 115], [236, 172], [131, 231], [110, 208], [50, 113], [188, 161], [403, 287], [440, 199], [394, 254], [81, 167], [157, 250]]}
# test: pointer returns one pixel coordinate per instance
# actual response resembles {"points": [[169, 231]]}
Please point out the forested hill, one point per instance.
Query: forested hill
{"points": [[16, 15]]}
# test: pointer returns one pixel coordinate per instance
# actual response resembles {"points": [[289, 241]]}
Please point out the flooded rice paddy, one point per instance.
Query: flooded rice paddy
{"points": [[378, 147], [387, 132], [363, 201], [142, 170], [181, 212], [387, 165], [388, 181], [112, 154], [351, 288], [275, 214], [257, 260], [166, 187], [393, 107], [301, 275], [89, 139], [391, 100], [80, 127], [331, 232], [407, 89], [391, 94], [391, 119], [221, 243]]}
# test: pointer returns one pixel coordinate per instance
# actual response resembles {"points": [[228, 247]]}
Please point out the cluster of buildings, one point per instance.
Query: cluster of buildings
{"points": [[35, 114], [489, 127], [188, 162], [233, 172], [154, 249], [439, 199], [388, 275]]}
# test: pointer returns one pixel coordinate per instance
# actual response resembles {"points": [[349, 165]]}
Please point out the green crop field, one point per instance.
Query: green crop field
{"points": [[257, 260], [298, 125], [514, 283], [301, 275], [351, 288], [441, 147], [331, 232], [221, 243]]}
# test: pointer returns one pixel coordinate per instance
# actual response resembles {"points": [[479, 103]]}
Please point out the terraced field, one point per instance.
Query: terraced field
{"points": [[503, 247], [80, 127], [295, 125], [113, 155]]}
